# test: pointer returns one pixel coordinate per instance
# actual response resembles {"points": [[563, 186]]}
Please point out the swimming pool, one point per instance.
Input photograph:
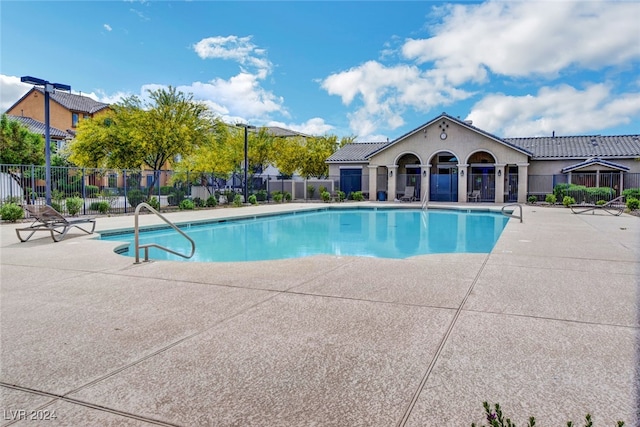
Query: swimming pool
{"points": [[369, 232], [381, 233]]}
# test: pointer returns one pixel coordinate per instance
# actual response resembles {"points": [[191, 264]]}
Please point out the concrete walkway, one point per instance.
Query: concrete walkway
{"points": [[546, 325]]}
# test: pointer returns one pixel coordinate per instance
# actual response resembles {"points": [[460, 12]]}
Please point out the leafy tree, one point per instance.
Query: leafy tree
{"points": [[289, 154], [19, 146], [134, 134]]}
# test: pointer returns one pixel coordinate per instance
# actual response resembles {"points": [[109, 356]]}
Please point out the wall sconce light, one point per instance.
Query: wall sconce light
{"points": [[461, 173], [390, 173], [499, 173], [424, 173]]}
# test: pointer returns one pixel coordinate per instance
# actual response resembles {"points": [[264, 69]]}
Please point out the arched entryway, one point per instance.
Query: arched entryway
{"points": [[481, 176], [443, 177], [408, 176]]}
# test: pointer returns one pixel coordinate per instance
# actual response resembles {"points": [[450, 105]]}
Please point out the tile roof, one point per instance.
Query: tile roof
{"points": [[38, 127], [73, 102], [594, 161], [278, 131], [356, 151], [584, 146]]}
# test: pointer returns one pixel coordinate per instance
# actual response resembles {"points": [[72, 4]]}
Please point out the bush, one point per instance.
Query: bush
{"points": [[631, 193], [91, 190], [212, 202], [102, 207], [568, 200], [165, 190], [237, 200], [495, 417], [532, 199], [261, 195], [253, 199], [311, 190], [326, 196], [135, 197], [175, 198], [74, 205], [287, 196], [322, 189], [154, 203], [341, 196], [186, 204], [11, 212], [358, 196], [633, 203], [277, 197], [551, 199], [198, 202], [57, 206], [601, 202]]}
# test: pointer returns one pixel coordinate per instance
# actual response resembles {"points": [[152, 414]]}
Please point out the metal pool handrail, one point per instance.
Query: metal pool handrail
{"points": [[425, 199], [146, 247], [510, 214]]}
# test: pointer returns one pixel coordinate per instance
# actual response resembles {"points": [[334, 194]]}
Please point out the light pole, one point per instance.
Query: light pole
{"points": [[48, 88], [246, 157]]}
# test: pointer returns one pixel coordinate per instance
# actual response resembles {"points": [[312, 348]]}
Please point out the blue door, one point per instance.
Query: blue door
{"points": [[350, 180], [444, 187]]}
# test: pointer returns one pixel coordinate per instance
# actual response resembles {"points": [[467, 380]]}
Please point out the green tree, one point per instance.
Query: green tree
{"points": [[167, 128], [19, 146]]}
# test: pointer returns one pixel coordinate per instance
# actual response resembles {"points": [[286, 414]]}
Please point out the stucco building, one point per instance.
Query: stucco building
{"points": [[448, 159]]}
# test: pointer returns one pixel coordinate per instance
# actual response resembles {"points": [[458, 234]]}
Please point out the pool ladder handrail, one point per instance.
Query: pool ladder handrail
{"points": [[425, 199], [138, 246], [510, 214]]}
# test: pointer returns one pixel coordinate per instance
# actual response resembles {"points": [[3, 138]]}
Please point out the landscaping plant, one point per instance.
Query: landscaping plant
{"points": [[495, 418], [633, 203], [74, 205], [11, 212], [568, 200], [551, 199], [532, 199]]}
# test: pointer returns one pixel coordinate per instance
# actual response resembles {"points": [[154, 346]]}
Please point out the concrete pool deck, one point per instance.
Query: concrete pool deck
{"points": [[546, 324]]}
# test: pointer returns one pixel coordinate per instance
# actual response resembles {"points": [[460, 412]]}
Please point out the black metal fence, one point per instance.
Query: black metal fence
{"points": [[111, 191]]}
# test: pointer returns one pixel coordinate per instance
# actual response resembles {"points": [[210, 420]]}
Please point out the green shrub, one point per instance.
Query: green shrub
{"points": [[57, 206], [358, 196], [198, 202], [568, 200], [287, 196], [277, 197], [253, 199], [154, 203], [175, 198], [326, 196], [496, 418], [261, 195], [102, 207], [74, 205], [532, 199], [237, 200], [601, 202], [11, 212], [186, 204], [135, 197], [633, 203], [322, 189], [631, 193], [550, 198], [212, 202], [311, 190], [229, 195], [13, 199], [91, 190], [341, 196], [165, 190]]}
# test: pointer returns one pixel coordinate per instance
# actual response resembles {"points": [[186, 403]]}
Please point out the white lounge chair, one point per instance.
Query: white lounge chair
{"points": [[613, 207], [408, 195], [474, 196]]}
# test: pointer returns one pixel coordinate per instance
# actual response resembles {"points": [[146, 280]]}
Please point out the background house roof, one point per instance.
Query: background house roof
{"points": [[356, 152], [73, 102], [282, 132], [38, 127], [585, 146], [595, 161]]}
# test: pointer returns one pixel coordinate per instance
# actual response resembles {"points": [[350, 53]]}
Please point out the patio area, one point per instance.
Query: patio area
{"points": [[547, 325]]}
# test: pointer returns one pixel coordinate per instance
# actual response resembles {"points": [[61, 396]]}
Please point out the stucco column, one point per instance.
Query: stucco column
{"points": [[523, 182], [462, 182], [425, 180], [499, 179], [373, 182], [391, 185]]}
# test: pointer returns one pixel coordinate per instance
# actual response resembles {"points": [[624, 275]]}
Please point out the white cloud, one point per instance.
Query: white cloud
{"points": [[474, 43], [239, 49], [528, 38], [107, 27], [11, 90], [315, 126], [563, 109]]}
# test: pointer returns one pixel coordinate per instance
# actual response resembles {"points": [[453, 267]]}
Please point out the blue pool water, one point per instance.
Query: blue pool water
{"points": [[381, 233]]}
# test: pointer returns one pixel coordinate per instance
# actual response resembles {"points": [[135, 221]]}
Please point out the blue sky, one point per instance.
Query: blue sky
{"points": [[374, 70]]}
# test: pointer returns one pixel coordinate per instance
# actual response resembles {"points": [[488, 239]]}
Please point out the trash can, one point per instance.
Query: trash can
{"points": [[382, 196]]}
